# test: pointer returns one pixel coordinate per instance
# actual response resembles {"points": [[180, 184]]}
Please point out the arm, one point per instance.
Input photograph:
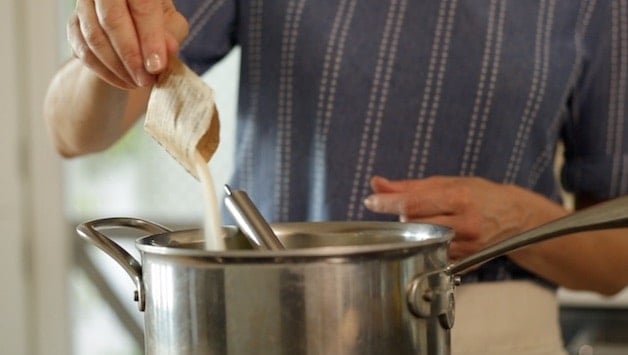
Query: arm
{"points": [[585, 261], [482, 213], [85, 114]]}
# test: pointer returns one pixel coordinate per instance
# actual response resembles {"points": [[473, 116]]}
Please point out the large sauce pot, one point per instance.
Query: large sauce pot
{"points": [[338, 288]]}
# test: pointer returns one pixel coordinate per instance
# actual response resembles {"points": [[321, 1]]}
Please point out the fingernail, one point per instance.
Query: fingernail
{"points": [[153, 63], [369, 202]]}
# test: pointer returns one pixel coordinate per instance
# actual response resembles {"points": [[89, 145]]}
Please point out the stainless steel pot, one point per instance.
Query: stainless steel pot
{"points": [[338, 288]]}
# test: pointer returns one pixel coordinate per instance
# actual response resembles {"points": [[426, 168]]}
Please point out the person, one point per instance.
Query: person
{"points": [[446, 112]]}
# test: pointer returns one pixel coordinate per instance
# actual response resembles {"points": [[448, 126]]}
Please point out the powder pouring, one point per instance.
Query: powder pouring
{"points": [[182, 117]]}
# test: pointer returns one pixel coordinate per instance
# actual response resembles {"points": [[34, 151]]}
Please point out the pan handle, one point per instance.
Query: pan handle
{"points": [[90, 231], [606, 215]]}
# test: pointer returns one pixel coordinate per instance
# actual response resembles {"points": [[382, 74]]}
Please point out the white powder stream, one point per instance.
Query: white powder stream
{"points": [[213, 223]]}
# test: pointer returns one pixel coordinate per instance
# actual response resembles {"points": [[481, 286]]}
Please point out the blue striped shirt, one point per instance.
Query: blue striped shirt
{"points": [[335, 91]]}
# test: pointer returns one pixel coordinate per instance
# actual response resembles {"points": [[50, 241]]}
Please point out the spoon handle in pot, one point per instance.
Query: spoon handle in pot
{"points": [[606, 215], [251, 222]]}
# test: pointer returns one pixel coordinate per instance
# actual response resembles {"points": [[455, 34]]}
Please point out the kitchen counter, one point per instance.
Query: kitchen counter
{"points": [[593, 324], [591, 300], [595, 331]]}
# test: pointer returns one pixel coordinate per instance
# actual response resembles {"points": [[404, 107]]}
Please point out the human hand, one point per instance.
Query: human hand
{"points": [[126, 42], [480, 212]]}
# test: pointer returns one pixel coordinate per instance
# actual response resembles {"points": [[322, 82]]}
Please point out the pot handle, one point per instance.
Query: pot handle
{"points": [[90, 232], [605, 215]]}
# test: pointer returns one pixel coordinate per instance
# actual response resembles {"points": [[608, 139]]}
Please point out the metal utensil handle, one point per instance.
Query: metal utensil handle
{"points": [[251, 221], [606, 215], [90, 232]]}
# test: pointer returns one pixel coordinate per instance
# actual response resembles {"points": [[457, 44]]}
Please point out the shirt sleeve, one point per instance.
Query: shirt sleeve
{"points": [[596, 134], [212, 32]]}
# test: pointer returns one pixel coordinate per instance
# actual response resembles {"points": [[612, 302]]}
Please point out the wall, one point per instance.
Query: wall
{"points": [[35, 254], [13, 274]]}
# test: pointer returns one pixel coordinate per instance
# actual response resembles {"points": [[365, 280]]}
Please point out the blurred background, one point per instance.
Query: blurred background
{"points": [[59, 295]]}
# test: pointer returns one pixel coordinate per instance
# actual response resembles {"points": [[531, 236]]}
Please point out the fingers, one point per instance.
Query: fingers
{"points": [[102, 36], [411, 198], [147, 15], [82, 51], [122, 33], [126, 42], [407, 205]]}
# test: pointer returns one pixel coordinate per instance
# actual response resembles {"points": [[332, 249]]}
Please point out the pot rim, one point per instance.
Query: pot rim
{"points": [[405, 238]]}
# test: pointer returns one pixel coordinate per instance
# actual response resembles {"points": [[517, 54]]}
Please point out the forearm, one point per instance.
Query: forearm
{"points": [[84, 114], [585, 261], [594, 261]]}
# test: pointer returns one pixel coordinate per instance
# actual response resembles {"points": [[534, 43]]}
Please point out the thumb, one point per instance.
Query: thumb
{"points": [[177, 25], [383, 185], [172, 45]]}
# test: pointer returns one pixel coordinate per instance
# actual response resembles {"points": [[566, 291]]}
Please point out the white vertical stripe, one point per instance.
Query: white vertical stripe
{"points": [[537, 92], [430, 102], [285, 101], [427, 91], [254, 64], [485, 92], [366, 131], [425, 152], [492, 81], [381, 105], [376, 105], [547, 155], [509, 176], [619, 73], [200, 18], [540, 164], [473, 123], [614, 67], [327, 92], [624, 178]]}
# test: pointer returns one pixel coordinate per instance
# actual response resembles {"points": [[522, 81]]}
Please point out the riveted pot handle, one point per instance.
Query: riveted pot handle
{"points": [[431, 295], [90, 231], [605, 215]]}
